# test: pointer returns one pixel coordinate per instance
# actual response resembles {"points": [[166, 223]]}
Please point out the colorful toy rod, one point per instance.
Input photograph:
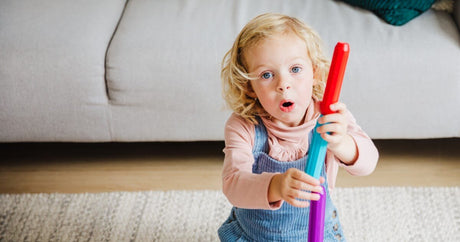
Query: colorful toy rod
{"points": [[318, 146]]}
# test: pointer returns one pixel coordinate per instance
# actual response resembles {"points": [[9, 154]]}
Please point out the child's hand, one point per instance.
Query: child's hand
{"points": [[334, 125], [334, 131], [293, 185]]}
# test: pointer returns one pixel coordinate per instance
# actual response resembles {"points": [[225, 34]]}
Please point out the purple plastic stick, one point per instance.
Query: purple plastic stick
{"points": [[317, 208]]}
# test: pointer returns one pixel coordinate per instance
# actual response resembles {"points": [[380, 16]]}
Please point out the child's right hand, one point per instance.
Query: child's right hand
{"points": [[292, 185]]}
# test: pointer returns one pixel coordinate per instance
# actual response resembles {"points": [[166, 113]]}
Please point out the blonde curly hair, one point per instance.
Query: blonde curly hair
{"points": [[235, 76]]}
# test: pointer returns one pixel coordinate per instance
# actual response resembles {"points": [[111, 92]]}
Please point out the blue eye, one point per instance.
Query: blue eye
{"points": [[267, 75], [296, 69]]}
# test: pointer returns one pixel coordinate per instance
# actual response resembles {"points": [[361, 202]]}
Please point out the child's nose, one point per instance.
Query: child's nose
{"points": [[283, 85]]}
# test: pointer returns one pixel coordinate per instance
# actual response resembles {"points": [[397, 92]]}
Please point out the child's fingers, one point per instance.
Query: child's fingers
{"points": [[332, 138], [299, 185], [302, 176], [332, 118], [297, 203], [322, 180], [307, 196], [332, 128], [302, 182], [334, 135], [297, 198], [338, 107]]}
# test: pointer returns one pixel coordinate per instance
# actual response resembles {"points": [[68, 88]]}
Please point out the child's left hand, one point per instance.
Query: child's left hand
{"points": [[334, 131], [334, 125]]}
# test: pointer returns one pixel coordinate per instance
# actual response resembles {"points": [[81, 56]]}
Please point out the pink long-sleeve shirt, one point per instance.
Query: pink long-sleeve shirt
{"points": [[247, 190]]}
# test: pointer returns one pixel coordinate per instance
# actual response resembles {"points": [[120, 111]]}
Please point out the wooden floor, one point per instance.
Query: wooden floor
{"points": [[104, 167]]}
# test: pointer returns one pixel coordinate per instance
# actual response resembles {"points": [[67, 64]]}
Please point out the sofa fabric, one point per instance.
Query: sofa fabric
{"points": [[52, 56], [146, 70]]}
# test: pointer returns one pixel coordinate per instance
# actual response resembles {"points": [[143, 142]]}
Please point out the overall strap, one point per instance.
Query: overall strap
{"points": [[260, 137]]}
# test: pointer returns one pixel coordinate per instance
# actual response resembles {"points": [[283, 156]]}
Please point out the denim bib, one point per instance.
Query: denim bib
{"points": [[288, 223]]}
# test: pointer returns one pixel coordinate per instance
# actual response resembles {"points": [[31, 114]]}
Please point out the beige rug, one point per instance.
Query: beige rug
{"points": [[367, 214]]}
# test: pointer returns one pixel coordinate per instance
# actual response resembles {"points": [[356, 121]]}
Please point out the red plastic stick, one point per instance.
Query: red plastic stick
{"points": [[335, 78]]}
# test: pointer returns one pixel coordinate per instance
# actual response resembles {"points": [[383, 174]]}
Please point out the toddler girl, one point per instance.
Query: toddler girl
{"points": [[273, 78]]}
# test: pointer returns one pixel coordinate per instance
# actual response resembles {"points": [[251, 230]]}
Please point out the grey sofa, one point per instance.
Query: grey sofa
{"points": [[146, 70]]}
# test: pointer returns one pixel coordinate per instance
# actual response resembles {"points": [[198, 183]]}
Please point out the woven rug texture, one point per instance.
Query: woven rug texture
{"points": [[367, 214]]}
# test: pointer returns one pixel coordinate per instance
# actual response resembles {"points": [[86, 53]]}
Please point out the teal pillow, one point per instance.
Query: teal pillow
{"points": [[395, 12]]}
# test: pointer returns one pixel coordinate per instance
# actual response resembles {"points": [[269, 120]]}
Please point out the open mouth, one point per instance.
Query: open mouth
{"points": [[286, 105]]}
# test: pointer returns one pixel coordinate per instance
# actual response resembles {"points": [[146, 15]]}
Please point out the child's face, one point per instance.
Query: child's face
{"points": [[284, 73]]}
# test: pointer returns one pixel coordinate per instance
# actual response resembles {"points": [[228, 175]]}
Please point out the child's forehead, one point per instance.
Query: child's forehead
{"points": [[282, 38], [282, 48]]}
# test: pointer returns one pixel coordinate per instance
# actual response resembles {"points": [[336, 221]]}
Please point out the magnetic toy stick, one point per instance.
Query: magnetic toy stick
{"points": [[318, 146]]}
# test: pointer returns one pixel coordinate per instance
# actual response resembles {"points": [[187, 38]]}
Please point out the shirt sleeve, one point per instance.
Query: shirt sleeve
{"points": [[241, 187], [367, 152], [367, 155]]}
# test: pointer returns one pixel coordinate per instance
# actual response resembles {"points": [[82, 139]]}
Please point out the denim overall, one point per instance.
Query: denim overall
{"points": [[288, 223]]}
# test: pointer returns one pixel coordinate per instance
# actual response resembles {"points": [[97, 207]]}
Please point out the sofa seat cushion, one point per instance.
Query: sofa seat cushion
{"points": [[163, 69]]}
